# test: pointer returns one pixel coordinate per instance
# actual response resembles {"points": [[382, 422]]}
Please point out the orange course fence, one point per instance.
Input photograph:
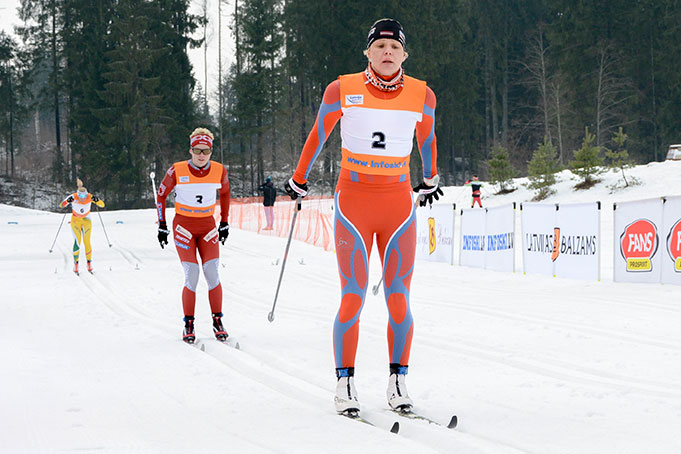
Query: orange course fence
{"points": [[314, 224]]}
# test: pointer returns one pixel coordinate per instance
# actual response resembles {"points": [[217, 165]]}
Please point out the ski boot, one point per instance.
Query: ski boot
{"points": [[89, 266], [346, 395], [398, 398], [188, 334], [218, 329], [75, 267]]}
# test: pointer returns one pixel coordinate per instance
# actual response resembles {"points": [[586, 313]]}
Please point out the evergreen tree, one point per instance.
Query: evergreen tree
{"points": [[501, 171], [11, 108], [42, 35], [588, 162], [542, 169], [619, 158]]}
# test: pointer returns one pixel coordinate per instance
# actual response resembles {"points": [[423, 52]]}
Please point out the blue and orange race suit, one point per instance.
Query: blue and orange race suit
{"points": [[373, 198]]}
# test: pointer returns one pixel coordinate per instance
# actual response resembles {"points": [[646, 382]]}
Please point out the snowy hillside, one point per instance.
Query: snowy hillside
{"points": [[530, 364]]}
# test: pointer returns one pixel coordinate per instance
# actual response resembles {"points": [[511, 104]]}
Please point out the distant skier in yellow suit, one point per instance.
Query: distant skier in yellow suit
{"points": [[80, 201]]}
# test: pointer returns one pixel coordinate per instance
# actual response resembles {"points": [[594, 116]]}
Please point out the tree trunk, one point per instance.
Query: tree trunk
{"points": [[55, 73]]}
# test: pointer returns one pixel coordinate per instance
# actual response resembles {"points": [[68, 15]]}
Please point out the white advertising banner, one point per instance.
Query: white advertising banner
{"points": [[537, 221], [500, 237], [577, 241], [435, 233], [671, 237], [472, 238], [637, 239]]}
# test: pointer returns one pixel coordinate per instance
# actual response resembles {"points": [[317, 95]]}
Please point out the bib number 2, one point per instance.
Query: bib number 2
{"points": [[380, 140]]}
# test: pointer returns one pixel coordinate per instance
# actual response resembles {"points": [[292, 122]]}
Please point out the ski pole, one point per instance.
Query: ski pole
{"points": [[375, 288], [102, 222], [270, 316], [58, 230]]}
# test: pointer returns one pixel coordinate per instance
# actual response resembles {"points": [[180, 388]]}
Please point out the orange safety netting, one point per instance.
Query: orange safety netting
{"points": [[314, 224]]}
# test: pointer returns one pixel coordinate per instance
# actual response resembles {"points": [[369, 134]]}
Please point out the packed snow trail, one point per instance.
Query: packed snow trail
{"points": [[530, 364]]}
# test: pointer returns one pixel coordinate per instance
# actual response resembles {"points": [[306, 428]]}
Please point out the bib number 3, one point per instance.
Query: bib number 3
{"points": [[199, 198]]}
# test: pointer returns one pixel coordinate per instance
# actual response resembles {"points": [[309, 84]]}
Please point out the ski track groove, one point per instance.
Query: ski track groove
{"points": [[503, 315], [304, 392], [545, 366], [249, 366], [252, 368]]}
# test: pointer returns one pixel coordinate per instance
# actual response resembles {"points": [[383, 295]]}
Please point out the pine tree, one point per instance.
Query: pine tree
{"points": [[619, 158], [542, 169], [588, 162], [500, 169]]}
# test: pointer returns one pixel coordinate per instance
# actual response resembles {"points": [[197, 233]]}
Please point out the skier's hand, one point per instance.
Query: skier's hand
{"points": [[95, 198], [294, 190], [429, 190], [163, 234], [223, 231], [69, 199]]}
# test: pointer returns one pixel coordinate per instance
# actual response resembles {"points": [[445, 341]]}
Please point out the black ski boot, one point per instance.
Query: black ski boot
{"points": [[218, 329], [188, 334]]}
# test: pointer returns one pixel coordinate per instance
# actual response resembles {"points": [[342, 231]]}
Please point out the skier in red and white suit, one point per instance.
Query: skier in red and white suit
{"points": [[196, 182], [379, 110]]}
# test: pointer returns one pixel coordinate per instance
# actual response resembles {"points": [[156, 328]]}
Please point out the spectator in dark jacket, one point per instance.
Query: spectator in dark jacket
{"points": [[269, 196]]}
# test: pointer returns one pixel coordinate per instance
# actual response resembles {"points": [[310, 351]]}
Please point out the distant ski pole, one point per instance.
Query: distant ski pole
{"points": [[375, 288], [58, 230], [102, 222], [270, 316]]}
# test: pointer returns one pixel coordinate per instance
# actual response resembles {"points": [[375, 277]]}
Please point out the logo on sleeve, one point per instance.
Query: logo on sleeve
{"points": [[354, 100]]}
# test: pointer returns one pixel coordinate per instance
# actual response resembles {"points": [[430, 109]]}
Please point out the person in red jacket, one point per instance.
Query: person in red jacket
{"points": [[379, 110], [476, 186], [196, 182]]}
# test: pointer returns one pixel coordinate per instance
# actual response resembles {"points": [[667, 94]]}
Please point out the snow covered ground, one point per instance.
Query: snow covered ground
{"points": [[531, 364]]}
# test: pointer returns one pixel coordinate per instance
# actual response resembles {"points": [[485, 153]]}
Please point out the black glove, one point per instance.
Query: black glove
{"points": [[162, 234], [69, 199], [294, 189], [427, 192], [223, 232], [95, 198]]}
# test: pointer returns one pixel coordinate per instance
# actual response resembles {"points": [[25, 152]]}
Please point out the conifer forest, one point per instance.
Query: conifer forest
{"points": [[104, 90]]}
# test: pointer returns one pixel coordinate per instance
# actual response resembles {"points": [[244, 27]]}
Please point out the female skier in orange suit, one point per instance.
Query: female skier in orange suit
{"points": [[379, 109]]}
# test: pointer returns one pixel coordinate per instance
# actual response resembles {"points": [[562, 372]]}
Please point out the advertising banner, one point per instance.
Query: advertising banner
{"points": [[435, 233], [576, 240], [671, 238], [637, 241], [500, 238], [472, 237], [538, 221]]}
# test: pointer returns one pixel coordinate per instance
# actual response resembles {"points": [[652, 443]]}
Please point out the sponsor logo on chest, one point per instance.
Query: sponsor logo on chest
{"points": [[184, 179], [354, 100]]}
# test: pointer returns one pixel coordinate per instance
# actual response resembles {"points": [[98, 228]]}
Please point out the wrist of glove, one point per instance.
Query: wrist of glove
{"points": [[429, 190], [163, 234], [95, 198], [223, 232], [295, 190]]}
